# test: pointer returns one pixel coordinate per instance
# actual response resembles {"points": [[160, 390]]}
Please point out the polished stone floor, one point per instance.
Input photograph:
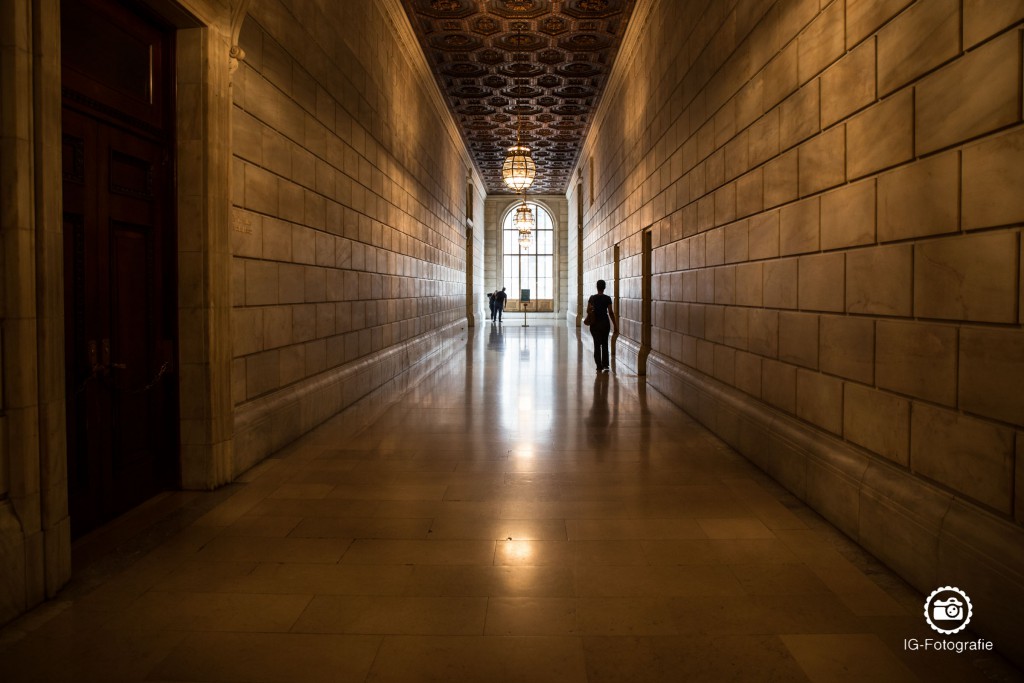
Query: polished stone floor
{"points": [[514, 516]]}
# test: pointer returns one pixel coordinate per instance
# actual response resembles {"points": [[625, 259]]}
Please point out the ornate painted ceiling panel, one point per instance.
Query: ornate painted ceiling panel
{"points": [[537, 64]]}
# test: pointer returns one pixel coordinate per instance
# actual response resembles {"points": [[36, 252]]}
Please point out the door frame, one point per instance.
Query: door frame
{"points": [[617, 293], [579, 257], [34, 522], [646, 277]]}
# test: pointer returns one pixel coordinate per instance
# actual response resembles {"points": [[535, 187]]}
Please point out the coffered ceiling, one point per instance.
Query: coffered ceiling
{"points": [[538, 63]]}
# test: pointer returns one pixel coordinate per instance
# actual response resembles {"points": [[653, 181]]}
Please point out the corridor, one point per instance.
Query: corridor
{"points": [[513, 516]]}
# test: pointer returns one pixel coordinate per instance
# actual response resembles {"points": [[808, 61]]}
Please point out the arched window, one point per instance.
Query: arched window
{"points": [[531, 268]]}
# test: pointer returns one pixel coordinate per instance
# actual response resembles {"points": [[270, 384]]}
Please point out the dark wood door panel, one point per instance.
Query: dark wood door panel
{"points": [[119, 246], [135, 338], [115, 62], [86, 400]]}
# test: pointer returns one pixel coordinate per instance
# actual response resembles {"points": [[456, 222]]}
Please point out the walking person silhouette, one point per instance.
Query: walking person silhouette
{"points": [[602, 320]]}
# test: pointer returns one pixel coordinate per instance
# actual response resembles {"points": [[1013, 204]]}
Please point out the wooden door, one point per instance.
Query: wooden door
{"points": [[119, 260]]}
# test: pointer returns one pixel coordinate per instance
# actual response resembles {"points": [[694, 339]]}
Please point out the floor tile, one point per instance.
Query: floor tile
{"points": [[538, 659], [361, 527], [492, 529], [394, 615], [269, 658], [102, 656], [531, 617], [625, 617], [501, 581], [717, 551], [236, 549], [554, 553], [378, 551], [326, 579], [777, 579], [614, 529], [668, 659], [302, 491], [738, 527], [846, 658], [654, 581], [265, 527], [293, 507], [605, 553], [240, 612]]}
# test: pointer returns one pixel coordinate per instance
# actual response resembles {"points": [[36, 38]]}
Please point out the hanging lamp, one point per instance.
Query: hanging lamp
{"points": [[525, 222], [519, 169]]}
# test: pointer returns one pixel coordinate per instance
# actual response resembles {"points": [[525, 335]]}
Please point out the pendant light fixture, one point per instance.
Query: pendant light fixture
{"points": [[519, 169], [525, 222]]}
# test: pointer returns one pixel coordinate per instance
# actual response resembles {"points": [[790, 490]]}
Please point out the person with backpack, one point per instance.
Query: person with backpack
{"points": [[601, 320], [499, 304]]}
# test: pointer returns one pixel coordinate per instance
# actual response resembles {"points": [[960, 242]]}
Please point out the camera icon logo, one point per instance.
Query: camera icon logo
{"points": [[948, 610]]}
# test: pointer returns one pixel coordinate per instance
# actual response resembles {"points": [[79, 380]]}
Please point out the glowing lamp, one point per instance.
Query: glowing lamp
{"points": [[519, 169]]}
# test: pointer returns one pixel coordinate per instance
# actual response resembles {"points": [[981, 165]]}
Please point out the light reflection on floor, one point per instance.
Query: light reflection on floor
{"points": [[513, 517]]}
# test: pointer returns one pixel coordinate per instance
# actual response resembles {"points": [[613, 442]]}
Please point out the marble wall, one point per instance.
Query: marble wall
{"points": [[832, 193], [349, 232]]}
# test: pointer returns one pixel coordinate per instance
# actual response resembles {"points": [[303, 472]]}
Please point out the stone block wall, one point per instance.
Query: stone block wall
{"points": [[833, 193], [492, 252], [478, 291], [350, 207]]}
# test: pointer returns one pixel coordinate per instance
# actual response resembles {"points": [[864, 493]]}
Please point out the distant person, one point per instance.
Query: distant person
{"points": [[490, 303], [602, 320], [499, 303]]}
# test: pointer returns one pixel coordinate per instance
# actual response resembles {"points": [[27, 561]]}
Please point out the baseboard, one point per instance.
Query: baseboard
{"points": [[926, 534], [267, 424]]}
